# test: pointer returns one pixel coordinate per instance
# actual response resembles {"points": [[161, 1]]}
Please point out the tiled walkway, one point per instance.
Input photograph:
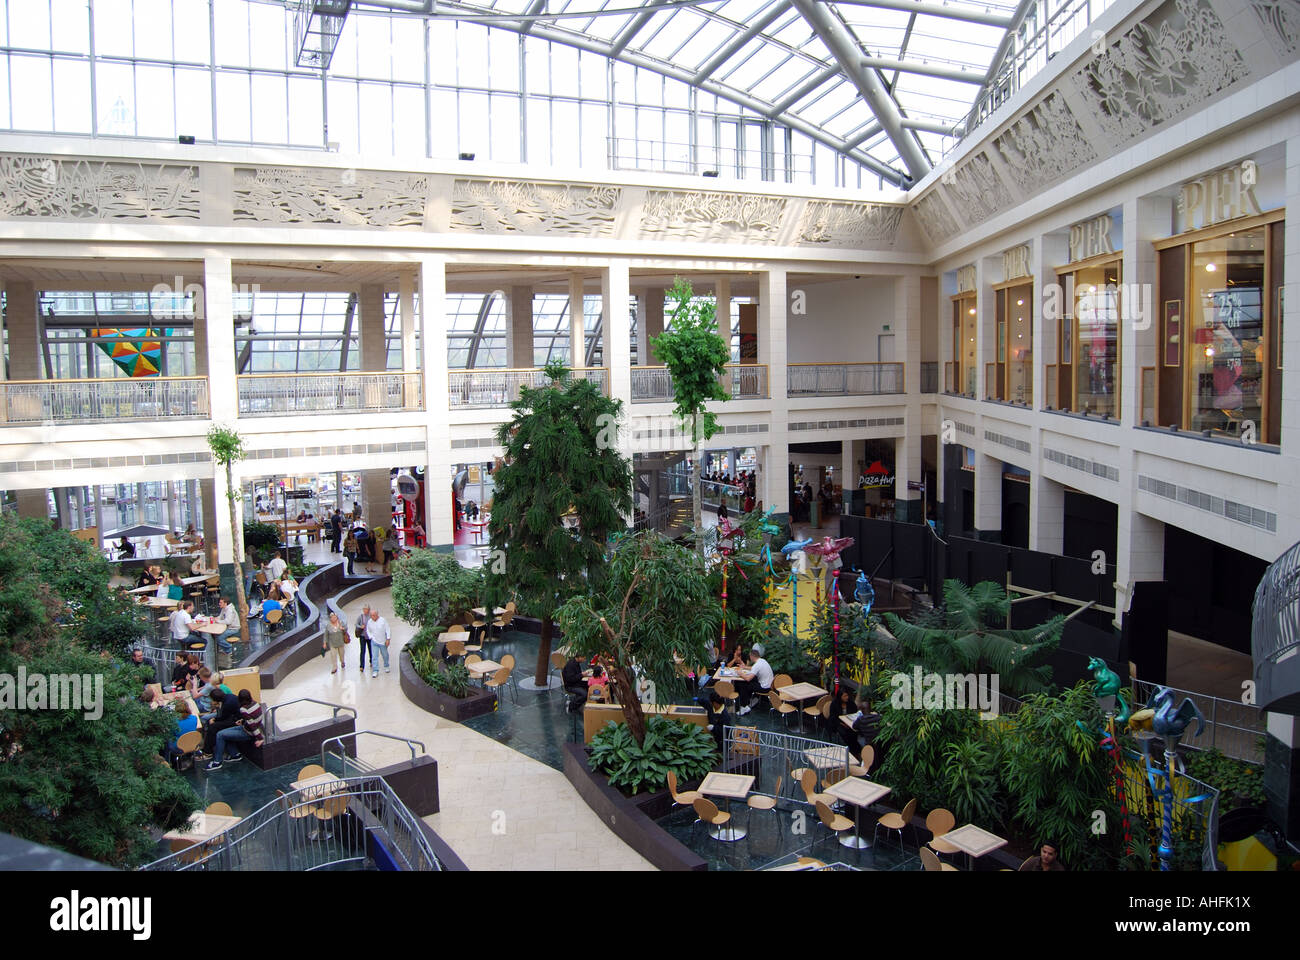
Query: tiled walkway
{"points": [[501, 810]]}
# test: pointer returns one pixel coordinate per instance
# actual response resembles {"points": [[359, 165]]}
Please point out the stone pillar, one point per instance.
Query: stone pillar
{"points": [[519, 329], [773, 310], [1145, 219], [577, 323], [988, 496], [208, 496], [433, 324], [1046, 512], [1140, 542], [724, 310], [907, 467], [406, 310], [614, 293], [218, 327], [374, 338], [906, 328], [652, 323], [377, 497], [22, 327]]}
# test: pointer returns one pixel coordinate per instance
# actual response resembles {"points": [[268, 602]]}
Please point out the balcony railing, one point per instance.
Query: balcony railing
{"points": [[843, 379], [276, 394], [98, 401], [747, 381], [468, 389]]}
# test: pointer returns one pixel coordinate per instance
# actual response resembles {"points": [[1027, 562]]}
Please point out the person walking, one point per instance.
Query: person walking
{"points": [[336, 532], [350, 549], [390, 548], [363, 638], [380, 638], [336, 635]]}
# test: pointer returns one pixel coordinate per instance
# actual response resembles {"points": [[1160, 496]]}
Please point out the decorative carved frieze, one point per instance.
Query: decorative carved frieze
{"points": [[1044, 145], [1281, 22], [977, 190], [850, 224], [351, 198], [724, 217], [935, 218], [521, 206], [36, 186], [1175, 59]]}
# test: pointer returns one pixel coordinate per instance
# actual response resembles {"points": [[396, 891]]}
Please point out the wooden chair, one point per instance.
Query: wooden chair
{"points": [[596, 694], [708, 812], [808, 782], [297, 811], [685, 798], [727, 692], [834, 822], [783, 708], [933, 864], [558, 660], [758, 801], [271, 618], [456, 628], [1024, 864], [220, 809], [897, 821], [311, 770], [501, 679], [863, 768], [187, 744], [819, 708], [330, 809], [939, 821], [505, 620], [834, 776], [455, 648], [781, 680]]}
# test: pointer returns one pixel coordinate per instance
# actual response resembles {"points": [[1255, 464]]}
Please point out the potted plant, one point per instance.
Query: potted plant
{"points": [[440, 687]]}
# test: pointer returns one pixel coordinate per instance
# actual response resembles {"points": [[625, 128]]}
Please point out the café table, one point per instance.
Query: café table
{"points": [[479, 526], [974, 841], [729, 786], [321, 785], [201, 827], [828, 757], [482, 668], [481, 612], [215, 628], [799, 692], [862, 794], [197, 578], [164, 602], [147, 588]]}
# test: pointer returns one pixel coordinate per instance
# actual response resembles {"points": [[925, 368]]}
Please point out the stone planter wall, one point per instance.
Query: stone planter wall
{"points": [[426, 698]]}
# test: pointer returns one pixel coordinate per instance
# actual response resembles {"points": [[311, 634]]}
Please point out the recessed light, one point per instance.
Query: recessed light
{"points": [[971, 311], [1209, 351], [1210, 268], [1020, 303]]}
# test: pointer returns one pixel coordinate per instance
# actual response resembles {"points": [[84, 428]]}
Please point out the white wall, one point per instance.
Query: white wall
{"points": [[843, 321]]}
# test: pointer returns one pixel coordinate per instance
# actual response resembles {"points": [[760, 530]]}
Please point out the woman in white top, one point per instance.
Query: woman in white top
{"points": [[163, 584], [288, 586]]}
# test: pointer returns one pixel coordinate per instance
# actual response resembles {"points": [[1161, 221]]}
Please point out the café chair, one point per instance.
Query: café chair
{"points": [[708, 813], [505, 620], [782, 708], [781, 680], [933, 863], [727, 692], [220, 808], [299, 810], [455, 648], [819, 708], [309, 771], [939, 821], [897, 821], [501, 679], [685, 798], [1024, 864], [808, 781], [834, 822], [760, 801], [330, 809], [187, 744], [863, 768]]}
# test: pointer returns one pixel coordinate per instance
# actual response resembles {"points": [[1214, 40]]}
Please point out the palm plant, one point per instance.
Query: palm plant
{"points": [[974, 638], [227, 448]]}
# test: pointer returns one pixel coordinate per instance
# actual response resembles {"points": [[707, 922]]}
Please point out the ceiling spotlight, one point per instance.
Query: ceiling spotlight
{"points": [[971, 311], [1210, 268], [1020, 303]]}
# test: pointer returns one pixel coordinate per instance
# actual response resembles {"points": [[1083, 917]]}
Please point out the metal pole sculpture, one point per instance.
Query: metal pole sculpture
{"points": [[1107, 690], [1161, 719], [794, 552], [828, 553]]}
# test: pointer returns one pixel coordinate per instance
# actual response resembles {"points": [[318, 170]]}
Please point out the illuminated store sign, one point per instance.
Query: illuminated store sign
{"points": [[1223, 195], [1091, 238]]}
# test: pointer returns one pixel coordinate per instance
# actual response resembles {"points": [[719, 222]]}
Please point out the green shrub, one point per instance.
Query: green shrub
{"points": [[787, 655], [261, 540], [431, 587], [685, 749], [452, 679], [1240, 784]]}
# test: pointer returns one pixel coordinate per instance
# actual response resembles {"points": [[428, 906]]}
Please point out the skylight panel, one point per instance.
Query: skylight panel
{"points": [[753, 63]]}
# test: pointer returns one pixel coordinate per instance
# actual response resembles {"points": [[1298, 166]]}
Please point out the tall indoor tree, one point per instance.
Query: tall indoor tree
{"points": [[227, 448], [559, 463], [653, 605], [696, 357]]}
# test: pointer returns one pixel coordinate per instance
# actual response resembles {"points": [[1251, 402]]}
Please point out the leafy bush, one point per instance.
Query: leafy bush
{"points": [[685, 749], [431, 588], [787, 655], [452, 679], [1240, 784]]}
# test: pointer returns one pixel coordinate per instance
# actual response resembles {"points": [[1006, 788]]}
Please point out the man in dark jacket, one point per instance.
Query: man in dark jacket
{"points": [[227, 715], [575, 685]]}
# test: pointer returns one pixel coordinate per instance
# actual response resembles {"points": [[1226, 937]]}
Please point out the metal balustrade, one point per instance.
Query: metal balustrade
{"points": [[276, 394], [98, 401], [1235, 728], [746, 381], [843, 379], [315, 829], [469, 389]]}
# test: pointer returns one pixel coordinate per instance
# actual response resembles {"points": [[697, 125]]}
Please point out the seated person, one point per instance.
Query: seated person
{"points": [[225, 715], [125, 549], [866, 727], [598, 680], [188, 722], [717, 718], [843, 705], [148, 577], [288, 587], [138, 660], [180, 672], [302, 517], [209, 681], [190, 532], [164, 586], [247, 729], [266, 606], [1045, 861], [192, 668], [148, 697], [755, 681], [575, 685]]}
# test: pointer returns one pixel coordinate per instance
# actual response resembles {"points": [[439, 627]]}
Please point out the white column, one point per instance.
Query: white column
{"points": [[519, 329], [617, 332], [433, 324], [406, 309], [988, 493], [1140, 541], [211, 511], [773, 310], [374, 338], [225, 536], [218, 325], [724, 310], [1046, 513], [988, 271], [1145, 219], [907, 349], [577, 322], [22, 328]]}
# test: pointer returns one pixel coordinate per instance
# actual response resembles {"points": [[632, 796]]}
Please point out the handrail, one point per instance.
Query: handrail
{"points": [[518, 369], [324, 703], [374, 733], [333, 374], [100, 379]]}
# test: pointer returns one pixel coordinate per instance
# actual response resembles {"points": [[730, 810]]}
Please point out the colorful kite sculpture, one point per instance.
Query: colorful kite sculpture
{"points": [[133, 350], [828, 553]]}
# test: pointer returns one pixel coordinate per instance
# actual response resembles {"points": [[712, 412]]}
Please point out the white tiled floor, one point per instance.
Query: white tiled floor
{"points": [[501, 810]]}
